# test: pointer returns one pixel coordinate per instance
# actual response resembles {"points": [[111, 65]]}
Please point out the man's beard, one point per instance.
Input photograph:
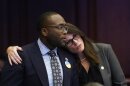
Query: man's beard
{"points": [[54, 42], [62, 43]]}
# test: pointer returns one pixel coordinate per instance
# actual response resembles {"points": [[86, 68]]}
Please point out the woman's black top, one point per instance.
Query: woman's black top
{"points": [[93, 75]]}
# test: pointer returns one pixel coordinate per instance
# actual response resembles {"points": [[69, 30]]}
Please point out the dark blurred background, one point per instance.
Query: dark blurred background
{"points": [[102, 20]]}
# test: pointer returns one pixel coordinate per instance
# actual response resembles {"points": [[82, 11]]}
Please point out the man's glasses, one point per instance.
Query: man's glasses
{"points": [[62, 27]]}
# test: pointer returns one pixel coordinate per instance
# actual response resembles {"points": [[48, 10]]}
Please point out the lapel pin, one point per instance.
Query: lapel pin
{"points": [[102, 67], [68, 65]]}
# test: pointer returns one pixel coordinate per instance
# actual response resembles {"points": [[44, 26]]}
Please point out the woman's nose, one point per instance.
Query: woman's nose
{"points": [[75, 41]]}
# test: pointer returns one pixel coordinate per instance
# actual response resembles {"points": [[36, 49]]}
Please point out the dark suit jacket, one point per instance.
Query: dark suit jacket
{"points": [[112, 73], [32, 71]]}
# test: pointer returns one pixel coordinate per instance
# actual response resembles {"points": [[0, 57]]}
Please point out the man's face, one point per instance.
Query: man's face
{"points": [[56, 30]]}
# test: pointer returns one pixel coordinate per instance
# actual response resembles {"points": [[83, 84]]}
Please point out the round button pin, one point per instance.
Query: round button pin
{"points": [[68, 65]]}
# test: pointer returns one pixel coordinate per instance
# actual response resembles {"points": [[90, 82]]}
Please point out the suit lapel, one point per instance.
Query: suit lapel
{"points": [[103, 71], [66, 71], [102, 66], [37, 61]]}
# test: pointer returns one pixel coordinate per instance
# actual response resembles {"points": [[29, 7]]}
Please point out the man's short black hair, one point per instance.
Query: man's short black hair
{"points": [[43, 19]]}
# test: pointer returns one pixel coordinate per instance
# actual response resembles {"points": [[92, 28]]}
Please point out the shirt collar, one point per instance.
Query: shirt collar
{"points": [[43, 48]]}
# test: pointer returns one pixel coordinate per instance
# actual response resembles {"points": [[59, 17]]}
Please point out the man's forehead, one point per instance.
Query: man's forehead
{"points": [[56, 20]]}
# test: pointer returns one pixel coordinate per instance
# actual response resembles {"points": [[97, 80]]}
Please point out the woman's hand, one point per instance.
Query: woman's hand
{"points": [[13, 55]]}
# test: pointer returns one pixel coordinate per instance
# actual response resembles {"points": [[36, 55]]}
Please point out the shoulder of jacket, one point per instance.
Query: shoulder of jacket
{"points": [[100, 46], [103, 45]]}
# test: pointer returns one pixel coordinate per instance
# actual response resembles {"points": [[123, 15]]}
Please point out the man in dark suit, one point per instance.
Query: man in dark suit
{"points": [[35, 70]]}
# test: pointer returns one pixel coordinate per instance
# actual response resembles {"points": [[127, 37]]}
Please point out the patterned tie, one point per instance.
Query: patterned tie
{"points": [[56, 71]]}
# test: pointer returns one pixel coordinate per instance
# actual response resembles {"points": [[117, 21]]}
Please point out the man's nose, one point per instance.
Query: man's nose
{"points": [[65, 31]]}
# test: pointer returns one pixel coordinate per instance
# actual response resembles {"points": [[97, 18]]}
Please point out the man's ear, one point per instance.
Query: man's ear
{"points": [[44, 31]]}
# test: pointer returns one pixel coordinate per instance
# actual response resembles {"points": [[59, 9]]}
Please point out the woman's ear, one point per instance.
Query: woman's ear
{"points": [[44, 32]]}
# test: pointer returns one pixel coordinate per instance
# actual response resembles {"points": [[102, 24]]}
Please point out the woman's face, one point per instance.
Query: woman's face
{"points": [[74, 43]]}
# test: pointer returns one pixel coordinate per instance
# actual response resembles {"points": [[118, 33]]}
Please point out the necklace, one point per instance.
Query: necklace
{"points": [[85, 64], [84, 60]]}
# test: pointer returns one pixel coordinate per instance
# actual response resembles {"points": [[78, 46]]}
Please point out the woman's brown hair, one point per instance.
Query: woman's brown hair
{"points": [[89, 50]]}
